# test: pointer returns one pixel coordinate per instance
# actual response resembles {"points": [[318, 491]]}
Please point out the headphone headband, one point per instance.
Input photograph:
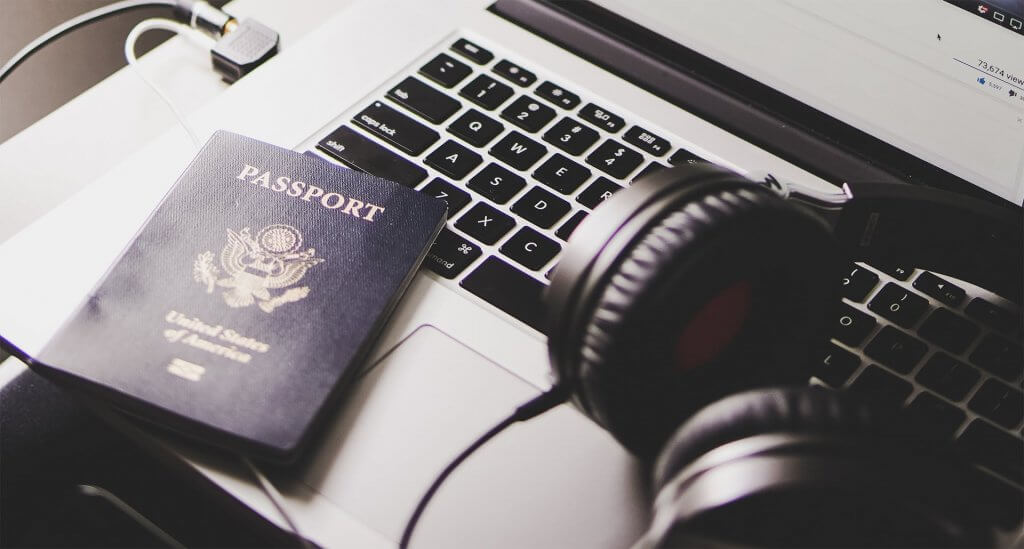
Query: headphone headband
{"points": [[960, 236]]}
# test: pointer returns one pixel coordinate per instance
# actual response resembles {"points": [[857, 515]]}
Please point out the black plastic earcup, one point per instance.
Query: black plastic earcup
{"points": [[724, 287], [809, 466]]}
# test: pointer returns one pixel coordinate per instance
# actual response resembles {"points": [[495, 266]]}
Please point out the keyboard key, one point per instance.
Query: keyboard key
{"points": [[514, 73], [949, 330], [683, 156], [881, 386], [475, 128], [615, 159], [992, 448], [472, 52], [528, 113], [999, 356], [999, 402], [858, 283], [837, 366], [396, 128], [453, 160], [445, 71], [567, 228], [496, 183], [423, 100], [853, 325], [933, 417], [561, 174], [996, 498], [518, 151], [451, 254], [649, 169], [992, 315], [571, 136], [541, 207], [454, 196], [600, 190], [948, 377], [558, 95], [940, 289], [896, 349], [530, 249], [646, 141], [601, 118], [484, 223], [486, 92], [364, 155], [508, 289], [896, 271], [899, 305]]}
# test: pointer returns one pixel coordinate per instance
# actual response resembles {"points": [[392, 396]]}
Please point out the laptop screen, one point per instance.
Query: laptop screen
{"points": [[942, 80]]}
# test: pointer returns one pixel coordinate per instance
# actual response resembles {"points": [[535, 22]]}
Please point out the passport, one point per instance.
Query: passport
{"points": [[248, 301]]}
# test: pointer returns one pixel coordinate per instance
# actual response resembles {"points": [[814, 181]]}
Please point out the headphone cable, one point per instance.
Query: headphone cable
{"points": [[535, 407], [93, 16]]}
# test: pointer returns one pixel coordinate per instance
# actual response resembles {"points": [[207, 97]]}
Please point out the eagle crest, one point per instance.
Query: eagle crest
{"points": [[256, 267]]}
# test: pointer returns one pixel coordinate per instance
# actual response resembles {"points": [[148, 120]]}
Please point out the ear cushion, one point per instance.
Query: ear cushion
{"points": [[773, 266], [798, 410]]}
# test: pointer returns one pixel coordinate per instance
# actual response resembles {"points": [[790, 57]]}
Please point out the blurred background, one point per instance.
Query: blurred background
{"points": [[68, 66]]}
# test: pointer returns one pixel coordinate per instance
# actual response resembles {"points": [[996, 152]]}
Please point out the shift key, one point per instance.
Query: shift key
{"points": [[364, 155], [396, 128]]}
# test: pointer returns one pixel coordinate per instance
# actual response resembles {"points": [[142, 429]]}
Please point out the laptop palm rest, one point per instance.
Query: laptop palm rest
{"points": [[556, 481]]}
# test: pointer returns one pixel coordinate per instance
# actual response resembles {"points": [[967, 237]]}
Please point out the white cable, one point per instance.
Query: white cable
{"points": [[190, 34]]}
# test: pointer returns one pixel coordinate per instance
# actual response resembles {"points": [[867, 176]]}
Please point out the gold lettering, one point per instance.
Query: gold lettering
{"points": [[247, 171], [281, 183], [313, 192], [337, 204], [373, 210], [352, 206], [262, 180]]}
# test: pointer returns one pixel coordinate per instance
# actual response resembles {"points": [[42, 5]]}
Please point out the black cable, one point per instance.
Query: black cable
{"points": [[74, 23], [542, 403]]}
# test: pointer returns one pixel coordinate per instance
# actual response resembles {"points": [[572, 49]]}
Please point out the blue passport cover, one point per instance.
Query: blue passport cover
{"points": [[249, 298]]}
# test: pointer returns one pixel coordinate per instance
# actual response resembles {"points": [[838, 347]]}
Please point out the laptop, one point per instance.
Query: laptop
{"points": [[525, 115]]}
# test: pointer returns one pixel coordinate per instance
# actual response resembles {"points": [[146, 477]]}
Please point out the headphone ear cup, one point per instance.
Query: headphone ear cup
{"points": [[830, 469], [727, 289], [804, 410]]}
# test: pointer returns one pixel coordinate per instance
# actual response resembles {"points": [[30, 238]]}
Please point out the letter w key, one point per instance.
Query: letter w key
{"points": [[518, 151]]}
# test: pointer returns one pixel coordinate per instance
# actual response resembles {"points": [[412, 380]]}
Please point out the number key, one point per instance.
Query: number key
{"points": [[898, 305], [615, 159], [528, 113], [571, 136], [486, 92]]}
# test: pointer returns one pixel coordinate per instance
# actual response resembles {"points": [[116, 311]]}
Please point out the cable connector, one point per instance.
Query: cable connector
{"points": [[243, 47]]}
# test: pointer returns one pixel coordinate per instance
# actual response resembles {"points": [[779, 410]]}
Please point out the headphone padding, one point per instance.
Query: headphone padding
{"points": [[798, 410]]}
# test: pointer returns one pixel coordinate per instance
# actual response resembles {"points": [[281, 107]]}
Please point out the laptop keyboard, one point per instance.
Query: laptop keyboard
{"points": [[522, 160]]}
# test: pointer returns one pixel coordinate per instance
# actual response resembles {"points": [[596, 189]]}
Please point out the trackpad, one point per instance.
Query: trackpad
{"points": [[556, 481]]}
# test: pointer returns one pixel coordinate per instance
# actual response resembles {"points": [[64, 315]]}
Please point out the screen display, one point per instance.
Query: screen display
{"points": [[942, 80]]}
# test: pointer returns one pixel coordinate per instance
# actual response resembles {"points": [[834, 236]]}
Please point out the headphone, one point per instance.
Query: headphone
{"points": [[685, 315]]}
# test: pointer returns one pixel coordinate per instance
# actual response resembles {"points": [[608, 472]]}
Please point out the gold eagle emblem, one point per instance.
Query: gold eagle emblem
{"points": [[256, 266]]}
